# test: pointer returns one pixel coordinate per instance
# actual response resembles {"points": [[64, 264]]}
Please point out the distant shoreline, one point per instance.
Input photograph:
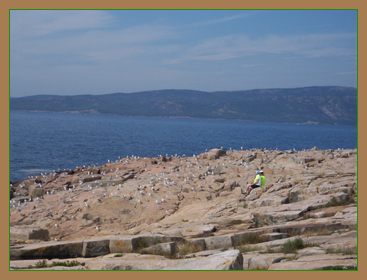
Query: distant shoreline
{"points": [[172, 117]]}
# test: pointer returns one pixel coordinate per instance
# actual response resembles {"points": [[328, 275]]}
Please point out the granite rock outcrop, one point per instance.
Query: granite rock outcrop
{"points": [[191, 213]]}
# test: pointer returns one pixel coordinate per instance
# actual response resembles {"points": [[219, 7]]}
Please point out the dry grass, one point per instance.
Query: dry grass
{"points": [[188, 248], [253, 238], [344, 251], [246, 249]]}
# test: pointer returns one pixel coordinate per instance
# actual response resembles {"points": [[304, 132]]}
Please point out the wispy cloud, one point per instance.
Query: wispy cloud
{"points": [[219, 20], [240, 45], [31, 23], [92, 44]]}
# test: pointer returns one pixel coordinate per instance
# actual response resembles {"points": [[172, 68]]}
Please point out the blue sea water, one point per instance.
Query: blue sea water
{"points": [[42, 142]]}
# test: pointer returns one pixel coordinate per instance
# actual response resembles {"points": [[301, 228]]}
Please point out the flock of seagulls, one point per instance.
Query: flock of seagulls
{"points": [[142, 194]]}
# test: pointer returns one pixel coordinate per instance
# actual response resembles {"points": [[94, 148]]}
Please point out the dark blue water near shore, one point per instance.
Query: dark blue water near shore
{"points": [[43, 142]]}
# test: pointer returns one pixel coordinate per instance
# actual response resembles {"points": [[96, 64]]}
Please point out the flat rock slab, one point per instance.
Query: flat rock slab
{"points": [[131, 262], [204, 253], [317, 262], [229, 260], [49, 250]]}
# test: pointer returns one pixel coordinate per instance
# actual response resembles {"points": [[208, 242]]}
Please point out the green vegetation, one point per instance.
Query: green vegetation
{"points": [[292, 246], [339, 268], [43, 264], [67, 263], [334, 202], [344, 251]]}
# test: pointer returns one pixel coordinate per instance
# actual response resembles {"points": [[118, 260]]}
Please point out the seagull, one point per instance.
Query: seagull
{"points": [[97, 228], [56, 225], [163, 200], [158, 202], [167, 213]]}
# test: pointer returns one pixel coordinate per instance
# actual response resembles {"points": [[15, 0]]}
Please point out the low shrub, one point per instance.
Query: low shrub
{"points": [[67, 263], [41, 264], [292, 246]]}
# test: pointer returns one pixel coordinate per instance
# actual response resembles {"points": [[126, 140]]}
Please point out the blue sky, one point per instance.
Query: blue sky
{"points": [[72, 52]]}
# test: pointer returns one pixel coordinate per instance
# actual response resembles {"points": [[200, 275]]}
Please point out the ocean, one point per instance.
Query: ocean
{"points": [[43, 142]]}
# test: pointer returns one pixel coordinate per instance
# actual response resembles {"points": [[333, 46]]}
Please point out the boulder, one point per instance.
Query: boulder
{"points": [[219, 242], [35, 191], [213, 154], [28, 233], [91, 179], [256, 261], [170, 248], [59, 249], [95, 248]]}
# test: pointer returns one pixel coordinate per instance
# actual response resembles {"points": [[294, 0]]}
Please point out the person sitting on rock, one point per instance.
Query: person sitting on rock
{"points": [[258, 182]]}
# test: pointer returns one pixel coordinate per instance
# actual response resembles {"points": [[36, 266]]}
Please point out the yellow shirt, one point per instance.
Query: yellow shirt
{"points": [[257, 177]]}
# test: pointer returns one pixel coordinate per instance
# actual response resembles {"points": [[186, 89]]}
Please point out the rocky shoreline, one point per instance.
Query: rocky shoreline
{"points": [[191, 213]]}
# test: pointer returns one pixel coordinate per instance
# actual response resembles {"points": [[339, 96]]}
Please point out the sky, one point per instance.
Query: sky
{"points": [[74, 52]]}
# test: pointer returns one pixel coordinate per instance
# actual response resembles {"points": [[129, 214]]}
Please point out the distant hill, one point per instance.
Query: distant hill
{"points": [[323, 105]]}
